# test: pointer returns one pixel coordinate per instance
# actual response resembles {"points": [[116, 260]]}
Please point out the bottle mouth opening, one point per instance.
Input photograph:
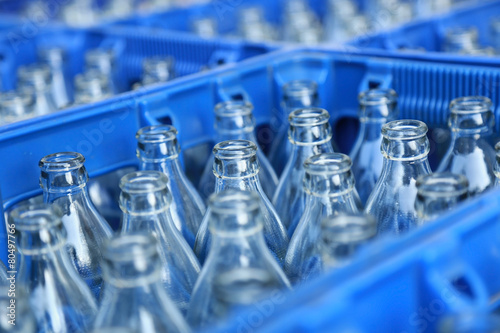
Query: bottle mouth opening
{"points": [[331, 163], [128, 247], [143, 182], [231, 201], [348, 228], [233, 108], [158, 63], [156, 134], [379, 96], [444, 184], [235, 149], [64, 161], [299, 88], [471, 104], [31, 217], [404, 130], [308, 117]]}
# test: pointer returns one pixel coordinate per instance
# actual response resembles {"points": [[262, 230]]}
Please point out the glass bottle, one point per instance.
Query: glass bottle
{"points": [[239, 270], [438, 193], [35, 80], [252, 25], [103, 61], [91, 86], [474, 321], [16, 317], [55, 59], [157, 70], [60, 299], [297, 94], [471, 123], [15, 106], [145, 201], [310, 134], [64, 183], [204, 27], [330, 190], [392, 203], [461, 39], [234, 121], [377, 107], [236, 166], [158, 149], [133, 295], [341, 237], [497, 165]]}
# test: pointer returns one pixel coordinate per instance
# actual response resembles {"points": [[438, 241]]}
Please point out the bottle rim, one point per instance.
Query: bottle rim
{"points": [[442, 184], [405, 130], [330, 163], [299, 88], [143, 182], [63, 161], [470, 105], [235, 149], [348, 228], [233, 108], [378, 96], [308, 117], [134, 244], [156, 134], [32, 217]]}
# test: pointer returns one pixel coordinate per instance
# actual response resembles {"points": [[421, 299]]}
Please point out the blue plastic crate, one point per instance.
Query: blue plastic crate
{"points": [[429, 35], [130, 46], [447, 265]]}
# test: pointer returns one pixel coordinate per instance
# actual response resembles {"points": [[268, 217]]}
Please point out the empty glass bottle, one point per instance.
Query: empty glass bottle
{"points": [[253, 25], [157, 70], [103, 61], [470, 322], [297, 94], [64, 183], [145, 201], [497, 164], [133, 295], [377, 107], [392, 203], [470, 154], [204, 27], [438, 193], [310, 134], [158, 149], [91, 86], [55, 59], [16, 317], [300, 23], [239, 270], [35, 80], [59, 298], [342, 236], [330, 190], [15, 106], [461, 39], [236, 166], [234, 121]]}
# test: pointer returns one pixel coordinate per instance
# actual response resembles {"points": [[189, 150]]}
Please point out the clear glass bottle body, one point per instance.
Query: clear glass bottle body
{"points": [[239, 270], [16, 317], [470, 322], [64, 183], [133, 295], [438, 193], [158, 149], [470, 154], [59, 298], [236, 166], [15, 106], [330, 190], [91, 86], [309, 134], [392, 203], [145, 201], [377, 107], [55, 58], [35, 80], [103, 61], [297, 94], [234, 121]]}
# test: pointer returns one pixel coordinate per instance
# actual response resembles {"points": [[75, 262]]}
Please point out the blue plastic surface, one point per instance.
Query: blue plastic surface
{"points": [[131, 46], [444, 266], [425, 38]]}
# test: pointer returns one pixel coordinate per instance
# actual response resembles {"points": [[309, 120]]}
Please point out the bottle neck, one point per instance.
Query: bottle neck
{"points": [[329, 185], [474, 125], [310, 135], [236, 169], [160, 156], [71, 184], [405, 151]]}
